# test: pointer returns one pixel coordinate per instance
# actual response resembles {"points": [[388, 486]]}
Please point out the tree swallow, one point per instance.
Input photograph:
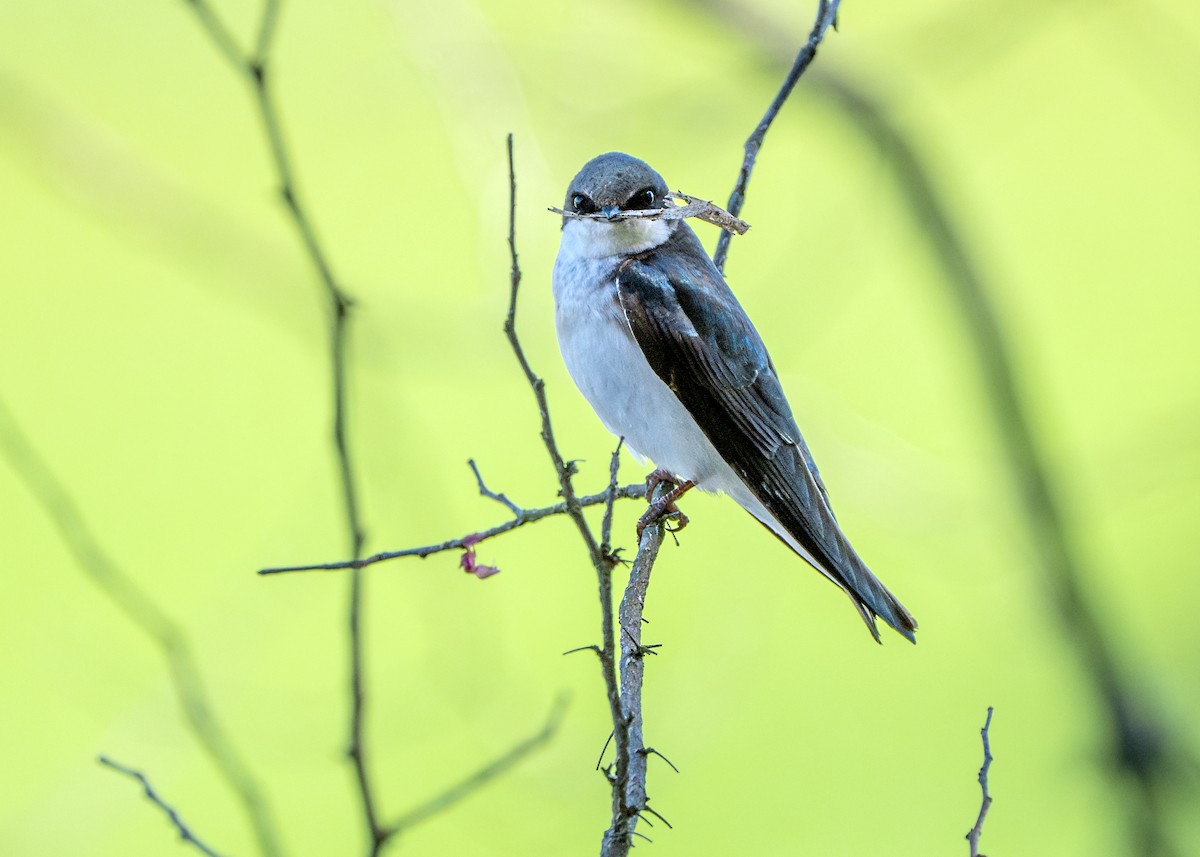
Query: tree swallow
{"points": [[656, 341]]}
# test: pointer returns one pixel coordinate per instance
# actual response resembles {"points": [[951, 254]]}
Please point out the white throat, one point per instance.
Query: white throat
{"points": [[596, 239]]}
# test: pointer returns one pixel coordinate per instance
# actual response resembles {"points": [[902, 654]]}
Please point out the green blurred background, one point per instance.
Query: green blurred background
{"points": [[162, 342]]}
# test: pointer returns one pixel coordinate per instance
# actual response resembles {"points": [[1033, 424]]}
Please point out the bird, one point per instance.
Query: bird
{"points": [[656, 341]]}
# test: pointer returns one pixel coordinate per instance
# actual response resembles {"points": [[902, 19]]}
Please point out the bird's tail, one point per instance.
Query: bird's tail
{"points": [[843, 566], [871, 598]]}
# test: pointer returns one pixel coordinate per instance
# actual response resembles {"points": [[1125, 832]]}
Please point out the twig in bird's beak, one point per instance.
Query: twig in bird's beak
{"points": [[693, 207]]}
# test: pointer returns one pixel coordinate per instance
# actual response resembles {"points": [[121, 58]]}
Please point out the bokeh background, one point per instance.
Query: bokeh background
{"points": [[163, 346]]}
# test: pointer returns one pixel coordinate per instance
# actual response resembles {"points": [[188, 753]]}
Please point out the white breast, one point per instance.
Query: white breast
{"points": [[610, 370]]}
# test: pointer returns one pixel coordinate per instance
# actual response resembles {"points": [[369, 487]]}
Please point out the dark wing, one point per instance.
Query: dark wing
{"points": [[698, 339]]}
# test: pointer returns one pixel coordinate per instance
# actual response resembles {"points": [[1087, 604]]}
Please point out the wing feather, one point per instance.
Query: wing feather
{"points": [[698, 339]]}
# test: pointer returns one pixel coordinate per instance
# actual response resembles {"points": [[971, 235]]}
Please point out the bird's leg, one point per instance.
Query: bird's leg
{"points": [[664, 505]]}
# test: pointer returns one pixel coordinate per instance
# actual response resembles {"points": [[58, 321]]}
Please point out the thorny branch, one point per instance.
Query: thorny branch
{"points": [[618, 838], [254, 67], [185, 832], [628, 773], [977, 831], [145, 613], [827, 11]]}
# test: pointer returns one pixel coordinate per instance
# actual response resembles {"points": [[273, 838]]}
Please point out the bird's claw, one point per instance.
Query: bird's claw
{"points": [[664, 505]]}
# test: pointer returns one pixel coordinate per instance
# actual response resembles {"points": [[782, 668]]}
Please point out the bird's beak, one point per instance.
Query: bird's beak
{"points": [[610, 211]]}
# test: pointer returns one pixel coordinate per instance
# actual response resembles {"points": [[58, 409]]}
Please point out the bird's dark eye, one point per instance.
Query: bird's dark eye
{"points": [[644, 198], [582, 204]]}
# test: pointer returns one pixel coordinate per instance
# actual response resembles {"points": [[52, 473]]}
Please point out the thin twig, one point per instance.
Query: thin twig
{"points": [[185, 832], [145, 613], [561, 467], [701, 209], [826, 16], [490, 494], [606, 523], [527, 516], [977, 830], [254, 68], [222, 39], [484, 775]]}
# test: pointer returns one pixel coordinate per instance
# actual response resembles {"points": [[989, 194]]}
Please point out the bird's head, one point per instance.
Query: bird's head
{"points": [[607, 185]]}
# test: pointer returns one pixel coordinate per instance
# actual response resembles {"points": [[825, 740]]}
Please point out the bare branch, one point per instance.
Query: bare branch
{"points": [[484, 775], [526, 516], [561, 467], [826, 17], [185, 832], [977, 831], [254, 69], [145, 613]]}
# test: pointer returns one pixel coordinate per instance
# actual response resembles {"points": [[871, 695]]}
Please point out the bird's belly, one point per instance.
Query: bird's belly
{"points": [[632, 401]]}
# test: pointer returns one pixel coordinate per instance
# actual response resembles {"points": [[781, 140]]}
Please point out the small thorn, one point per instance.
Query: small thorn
{"points": [[646, 751], [604, 750], [658, 816]]}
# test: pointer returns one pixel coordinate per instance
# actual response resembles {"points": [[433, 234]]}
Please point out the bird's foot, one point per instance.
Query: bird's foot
{"points": [[657, 477], [664, 505]]}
